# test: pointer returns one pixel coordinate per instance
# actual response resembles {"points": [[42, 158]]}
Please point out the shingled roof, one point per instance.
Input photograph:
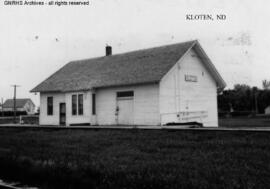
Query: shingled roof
{"points": [[9, 103], [137, 67]]}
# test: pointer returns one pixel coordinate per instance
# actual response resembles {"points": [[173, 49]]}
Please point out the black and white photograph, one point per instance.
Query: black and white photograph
{"points": [[128, 94]]}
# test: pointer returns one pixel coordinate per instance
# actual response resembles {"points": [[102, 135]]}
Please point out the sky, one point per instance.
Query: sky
{"points": [[35, 41]]}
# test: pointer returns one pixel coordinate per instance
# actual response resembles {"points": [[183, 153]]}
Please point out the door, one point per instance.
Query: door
{"points": [[125, 112], [62, 112]]}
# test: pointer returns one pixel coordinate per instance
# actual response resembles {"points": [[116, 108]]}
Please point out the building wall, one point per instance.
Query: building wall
{"points": [[86, 117], [146, 105], [178, 95], [45, 119], [65, 98]]}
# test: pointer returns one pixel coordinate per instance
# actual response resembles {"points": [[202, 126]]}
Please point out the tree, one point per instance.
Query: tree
{"points": [[245, 99], [241, 87], [266, 84]]}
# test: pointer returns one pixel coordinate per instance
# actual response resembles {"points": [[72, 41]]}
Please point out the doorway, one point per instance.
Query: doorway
{"points": [[125, 116], [125, 107], [62, 113]]}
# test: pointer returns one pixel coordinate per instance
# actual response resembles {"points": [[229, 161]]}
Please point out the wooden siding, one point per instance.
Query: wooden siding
{"points": [[146, 105], [87, 112], [178, 95], [45, 119], [65, 98]]}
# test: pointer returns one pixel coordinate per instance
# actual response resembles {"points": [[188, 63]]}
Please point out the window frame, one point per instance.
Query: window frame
{"points": [[125, 94], [80, 104], [93, 103], [74, 106], [50, 105]]}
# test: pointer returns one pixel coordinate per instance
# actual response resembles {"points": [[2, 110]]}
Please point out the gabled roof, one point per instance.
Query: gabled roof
{"points": [[20, 103], [137, 67]]}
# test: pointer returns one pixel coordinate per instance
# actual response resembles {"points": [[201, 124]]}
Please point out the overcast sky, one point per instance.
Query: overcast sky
{"points": [[37, 41]]}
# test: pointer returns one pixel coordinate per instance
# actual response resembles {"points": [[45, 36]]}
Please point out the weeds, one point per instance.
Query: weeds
{"points": [[141, 159]]}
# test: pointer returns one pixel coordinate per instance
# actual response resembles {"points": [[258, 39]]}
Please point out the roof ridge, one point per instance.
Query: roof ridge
{"points": [[133, 51]]}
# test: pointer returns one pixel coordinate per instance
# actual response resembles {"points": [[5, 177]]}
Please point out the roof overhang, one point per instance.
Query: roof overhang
{"points": [[128, 84]]}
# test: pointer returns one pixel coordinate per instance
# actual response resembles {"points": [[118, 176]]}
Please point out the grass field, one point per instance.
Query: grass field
{"points": [[135, 158], [247, 122]]}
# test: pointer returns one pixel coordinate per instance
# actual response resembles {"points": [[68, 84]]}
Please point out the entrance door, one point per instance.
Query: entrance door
{"points": [[125, 112], [62, 112]]}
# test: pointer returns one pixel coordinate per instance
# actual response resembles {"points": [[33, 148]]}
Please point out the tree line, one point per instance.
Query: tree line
{"points": [[243, 99]]}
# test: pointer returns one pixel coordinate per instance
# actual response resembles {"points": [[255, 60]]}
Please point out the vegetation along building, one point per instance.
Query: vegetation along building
{"points": [[174, 83]]}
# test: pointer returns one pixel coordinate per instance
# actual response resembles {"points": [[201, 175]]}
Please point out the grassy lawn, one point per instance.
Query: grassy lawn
{"points": [[135, 158], [244, 122]]}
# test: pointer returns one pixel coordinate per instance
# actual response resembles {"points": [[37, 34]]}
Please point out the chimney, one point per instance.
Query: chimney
{"points": [[108, 50]]}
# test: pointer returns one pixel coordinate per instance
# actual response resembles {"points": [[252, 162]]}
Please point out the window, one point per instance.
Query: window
{"points": [[125, 94], [77, 104], [74, 104], [93, 104], [50, 105], [80, 104]]}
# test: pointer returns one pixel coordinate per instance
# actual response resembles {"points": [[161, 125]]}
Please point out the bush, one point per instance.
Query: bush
{"points": [[33, 119], [236, 114], [11, 113], [241, 113], [8, 120], [224, 114]]}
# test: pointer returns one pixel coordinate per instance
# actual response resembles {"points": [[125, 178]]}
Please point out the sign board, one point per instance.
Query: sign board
{"points": [[191, 78], [192, 115]]}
